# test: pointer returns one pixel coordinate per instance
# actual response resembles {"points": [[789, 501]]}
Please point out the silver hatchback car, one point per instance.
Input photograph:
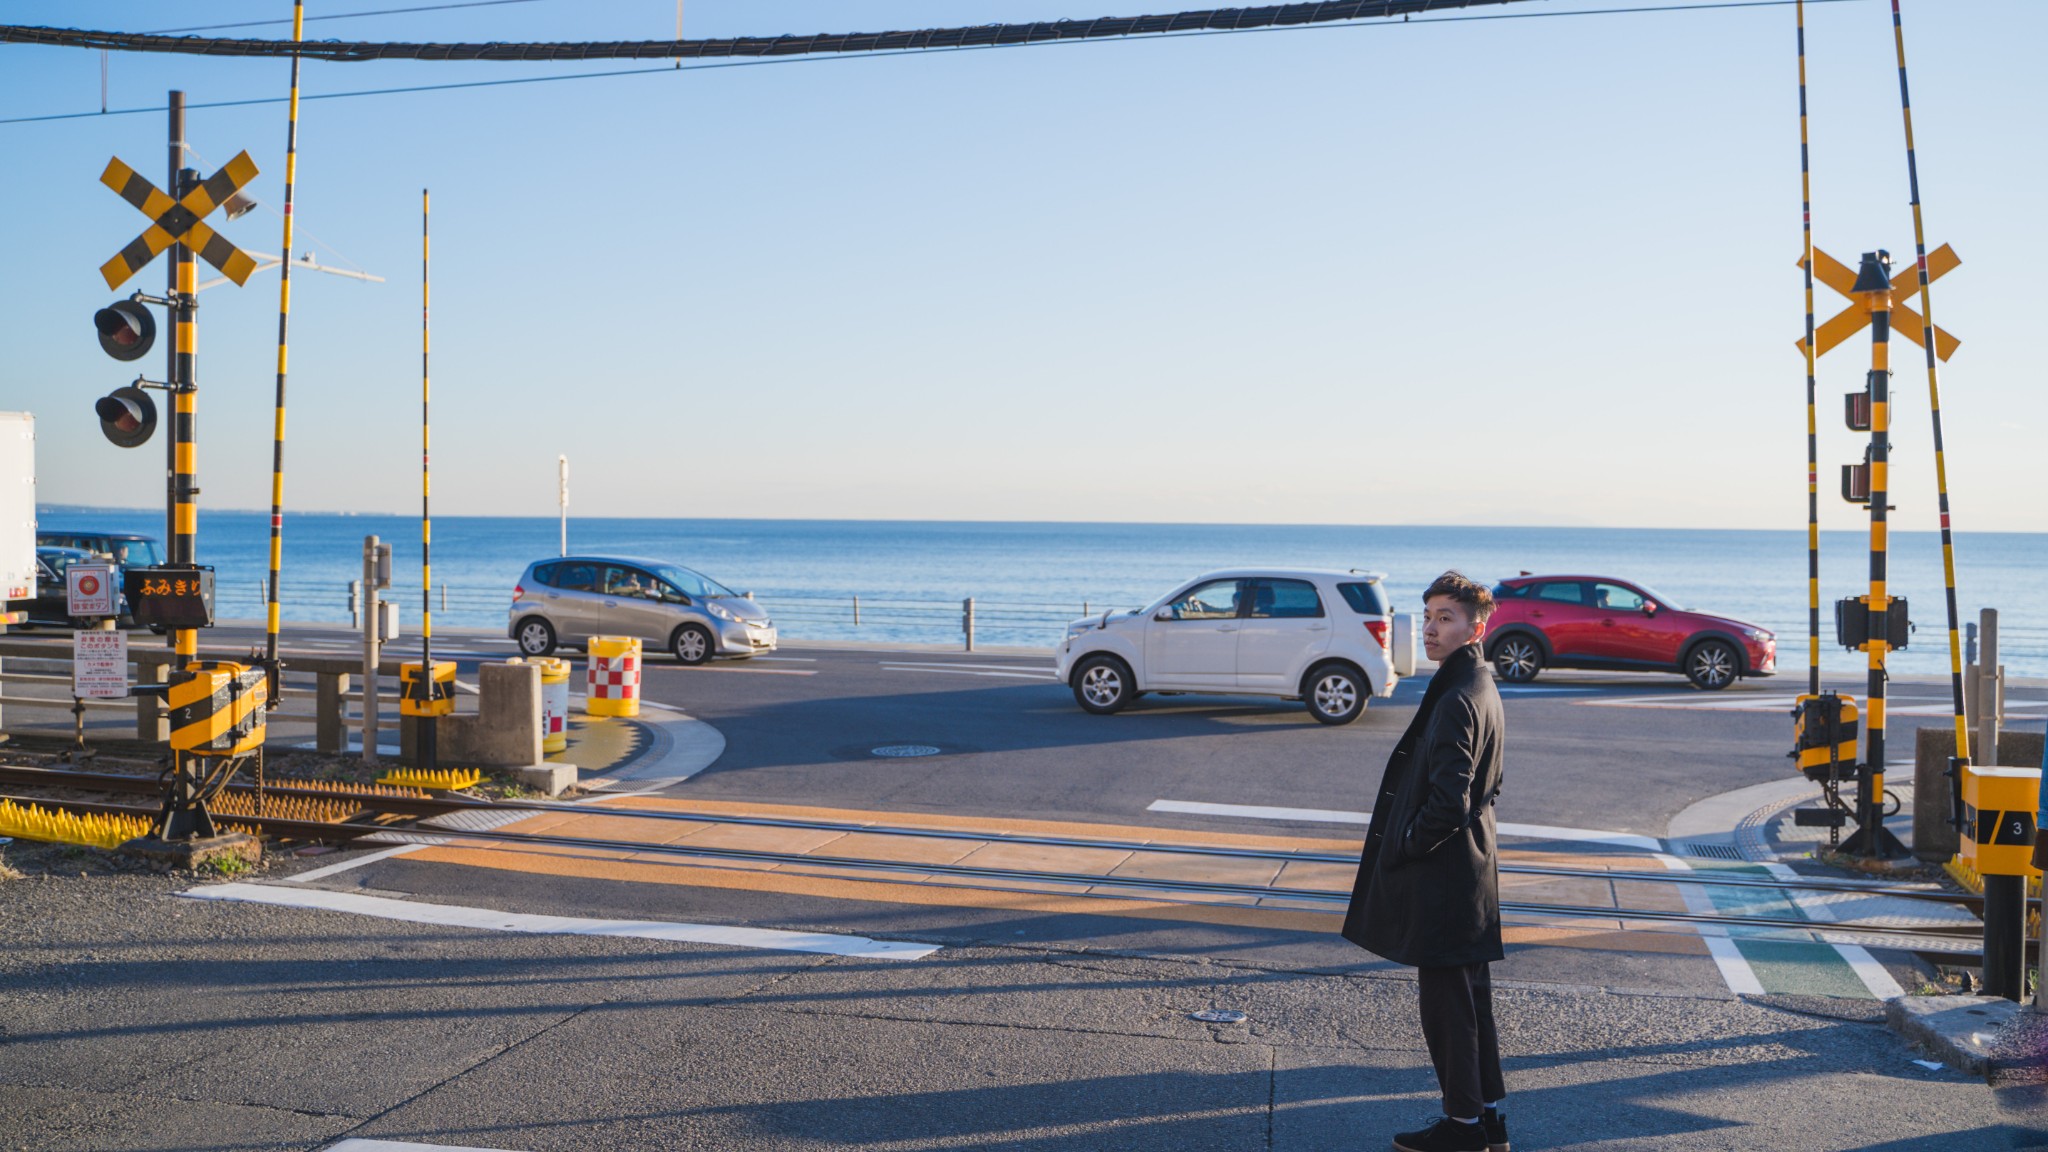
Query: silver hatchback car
{"points": [[567, 601]]}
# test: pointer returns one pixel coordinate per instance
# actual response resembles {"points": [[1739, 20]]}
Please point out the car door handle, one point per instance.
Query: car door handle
{"points": [[1227, 628], [611, 603], [1607, 623], [1318, 628], [1537, 615]]}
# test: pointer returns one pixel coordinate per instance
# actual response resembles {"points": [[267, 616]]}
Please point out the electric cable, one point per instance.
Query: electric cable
{"points": [[412, 88]]}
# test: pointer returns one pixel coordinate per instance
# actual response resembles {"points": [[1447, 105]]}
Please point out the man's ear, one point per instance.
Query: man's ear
{"points": [[1479, 631]]}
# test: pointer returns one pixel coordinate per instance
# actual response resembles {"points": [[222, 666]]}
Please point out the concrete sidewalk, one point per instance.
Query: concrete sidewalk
{"points": [[138, 1020]]}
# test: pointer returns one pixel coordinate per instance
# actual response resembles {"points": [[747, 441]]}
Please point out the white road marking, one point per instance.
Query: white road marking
{"points": [[1735, 970], [789, 659], [1330, 816], [337, 869], [492, 919], [1866, 967], [1011, 671], [402, 1146]]}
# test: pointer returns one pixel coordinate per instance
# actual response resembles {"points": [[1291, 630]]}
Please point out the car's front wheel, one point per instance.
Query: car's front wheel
{"points": [[1102, 685], [1336, 694], [1517, 659], [691, 644], [536, 637], [1712, 665]]}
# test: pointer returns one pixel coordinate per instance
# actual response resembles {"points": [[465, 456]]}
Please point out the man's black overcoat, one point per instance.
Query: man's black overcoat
{"points": [[1428, 892]]}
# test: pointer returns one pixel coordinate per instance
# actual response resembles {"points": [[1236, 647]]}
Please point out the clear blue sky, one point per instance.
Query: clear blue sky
{"points": [[1518, 271]]}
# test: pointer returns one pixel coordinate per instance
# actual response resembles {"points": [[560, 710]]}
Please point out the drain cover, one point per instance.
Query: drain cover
{"points": [[902, 751]]}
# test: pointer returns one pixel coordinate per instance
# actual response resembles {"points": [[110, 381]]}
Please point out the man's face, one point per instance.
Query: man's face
{"points": [[1446, 628]]}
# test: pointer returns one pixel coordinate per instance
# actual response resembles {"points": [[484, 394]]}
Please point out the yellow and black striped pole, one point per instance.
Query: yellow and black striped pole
{"points": [[1873, 290], [428, 750], [184, 421], [1812, 432], [1948, 548], [284, 315]]}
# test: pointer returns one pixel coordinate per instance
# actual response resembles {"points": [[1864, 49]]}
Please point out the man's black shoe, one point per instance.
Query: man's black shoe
{"points": [[1446, 1135], [1494, 1123]]}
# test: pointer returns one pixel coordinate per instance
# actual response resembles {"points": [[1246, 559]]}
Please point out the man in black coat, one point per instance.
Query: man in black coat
{"points": [[1428, 893]]}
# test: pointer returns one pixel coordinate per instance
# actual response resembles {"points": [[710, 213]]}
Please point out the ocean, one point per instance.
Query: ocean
{"points": [[1028, 579]]}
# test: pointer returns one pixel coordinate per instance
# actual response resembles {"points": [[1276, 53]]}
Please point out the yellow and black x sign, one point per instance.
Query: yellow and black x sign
{"points": [[1855, 318], [179, 221]]}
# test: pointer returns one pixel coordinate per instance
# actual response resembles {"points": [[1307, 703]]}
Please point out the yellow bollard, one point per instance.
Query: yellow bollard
{"points": [[554, 703], [612, 687]]}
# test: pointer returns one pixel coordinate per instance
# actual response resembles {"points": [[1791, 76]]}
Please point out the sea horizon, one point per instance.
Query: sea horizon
{"points": [[1029, 577]]}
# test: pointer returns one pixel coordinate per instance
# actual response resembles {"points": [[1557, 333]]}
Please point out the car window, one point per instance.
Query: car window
{"points": [[1561, 591], [1365, 598], [138, 554], [577, 576], [1216, 600], [1510, 591], [1616, 598], [625, 580], [545, 574], [692, 583], [1285, 600], [44, 572]]}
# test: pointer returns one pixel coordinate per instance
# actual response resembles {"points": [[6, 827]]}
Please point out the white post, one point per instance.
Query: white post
{"points": [[562, 462], [370, 653], [1987, 688]]}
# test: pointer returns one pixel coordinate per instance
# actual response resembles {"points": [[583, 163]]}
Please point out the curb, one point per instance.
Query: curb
{"points": [[1973, 1034]]}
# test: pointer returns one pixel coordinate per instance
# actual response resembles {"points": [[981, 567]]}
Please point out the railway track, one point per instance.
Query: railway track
{"points": [[1954, 946]]}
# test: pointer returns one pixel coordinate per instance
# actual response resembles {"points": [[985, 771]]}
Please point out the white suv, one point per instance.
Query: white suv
{"points": [[1299, 634]]}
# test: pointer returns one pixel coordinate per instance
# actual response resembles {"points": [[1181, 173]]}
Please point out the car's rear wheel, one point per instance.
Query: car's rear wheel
{"points": [[1335, 694], [1712, 665], [1517, 659], [536, 637], [691, 644], [1102, 685]]}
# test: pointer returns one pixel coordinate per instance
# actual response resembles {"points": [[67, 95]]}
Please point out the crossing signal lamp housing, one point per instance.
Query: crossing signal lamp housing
{"points": [[127, 417], [127, 330]]}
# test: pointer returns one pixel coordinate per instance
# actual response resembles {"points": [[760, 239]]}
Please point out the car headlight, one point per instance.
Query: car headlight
{"points": [[719, 610], [1759, 635]]}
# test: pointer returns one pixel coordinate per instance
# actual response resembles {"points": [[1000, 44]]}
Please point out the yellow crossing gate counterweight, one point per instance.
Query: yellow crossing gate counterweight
{"points": [[217, 708]]}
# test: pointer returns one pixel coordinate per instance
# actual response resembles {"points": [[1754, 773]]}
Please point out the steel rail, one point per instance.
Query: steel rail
{"points": [[443, 805]]}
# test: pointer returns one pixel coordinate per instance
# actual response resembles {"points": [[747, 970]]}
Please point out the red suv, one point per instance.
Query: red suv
{"points": [[1598, 622]]}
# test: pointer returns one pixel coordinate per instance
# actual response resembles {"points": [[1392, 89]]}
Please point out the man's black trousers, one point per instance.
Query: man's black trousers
{"points": [[1457, 1023]]}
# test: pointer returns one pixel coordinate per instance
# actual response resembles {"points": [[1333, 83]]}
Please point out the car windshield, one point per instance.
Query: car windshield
{"points": [[691, 583]]}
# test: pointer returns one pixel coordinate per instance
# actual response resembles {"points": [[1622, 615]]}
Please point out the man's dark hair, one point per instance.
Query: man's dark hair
{"points": [[1477, 600]]}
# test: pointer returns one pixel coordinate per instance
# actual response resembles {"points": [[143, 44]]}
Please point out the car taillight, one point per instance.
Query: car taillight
{"points": [[518, 591], [1377, 629]]}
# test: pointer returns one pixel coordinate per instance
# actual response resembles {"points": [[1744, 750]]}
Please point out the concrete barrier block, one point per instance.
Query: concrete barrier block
{"points": [[552, 779], [1934, 838]]}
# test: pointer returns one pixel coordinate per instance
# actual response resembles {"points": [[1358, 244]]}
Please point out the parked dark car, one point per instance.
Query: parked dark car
{"points": [[49, 606], [128, 549], [1599, 622]]}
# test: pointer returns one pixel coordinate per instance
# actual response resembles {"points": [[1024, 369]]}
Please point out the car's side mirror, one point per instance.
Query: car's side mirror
{"points": [[1649, 607], [1163, 614]]}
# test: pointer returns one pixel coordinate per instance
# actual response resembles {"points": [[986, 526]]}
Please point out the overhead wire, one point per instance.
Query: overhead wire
{"points": [[1719, 5]]}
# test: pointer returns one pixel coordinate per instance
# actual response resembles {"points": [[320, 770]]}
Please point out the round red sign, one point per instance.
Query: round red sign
{"points": [[88, 585]]}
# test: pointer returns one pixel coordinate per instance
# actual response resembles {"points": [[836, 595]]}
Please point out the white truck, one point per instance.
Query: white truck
{"points": [[17, 510], [17, 506]]}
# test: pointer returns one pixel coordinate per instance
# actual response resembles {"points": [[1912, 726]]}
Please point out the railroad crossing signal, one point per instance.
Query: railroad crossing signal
{"points": [[1855, 318], [178, 221]]}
